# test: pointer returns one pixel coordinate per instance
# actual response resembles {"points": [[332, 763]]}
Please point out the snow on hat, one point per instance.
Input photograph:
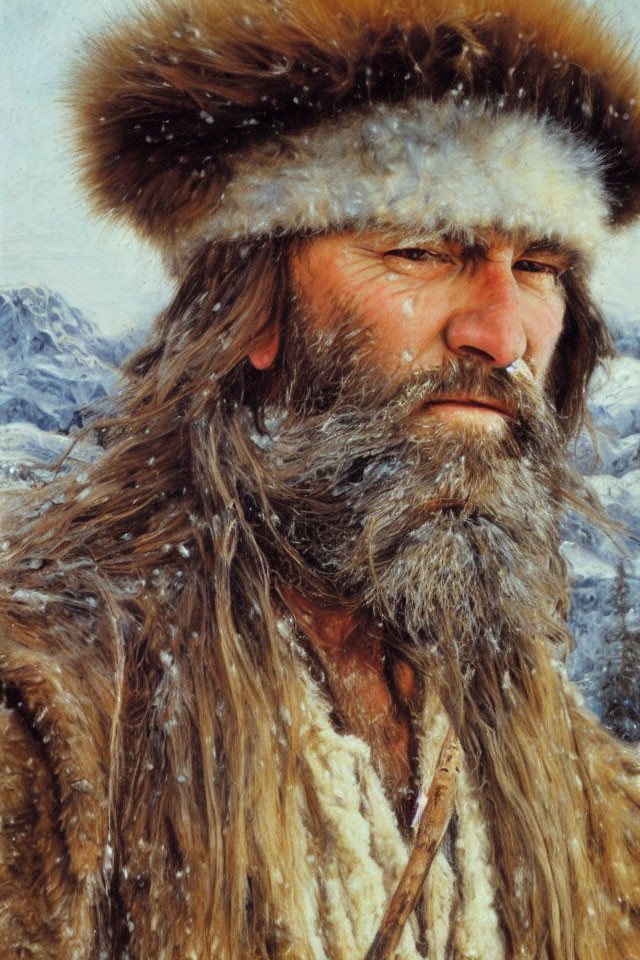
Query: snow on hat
{"points": [[211, 120]]}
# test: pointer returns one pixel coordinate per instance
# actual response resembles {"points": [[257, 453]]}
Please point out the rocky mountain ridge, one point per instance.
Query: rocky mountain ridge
{"points": [[53, 363]]}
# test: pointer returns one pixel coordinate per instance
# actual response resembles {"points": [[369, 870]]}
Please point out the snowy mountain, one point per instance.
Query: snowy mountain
{"points": [[53, 366], [53, 363]]}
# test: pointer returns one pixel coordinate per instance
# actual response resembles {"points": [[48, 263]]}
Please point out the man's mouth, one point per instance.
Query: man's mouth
{"points": [[453, 403]]}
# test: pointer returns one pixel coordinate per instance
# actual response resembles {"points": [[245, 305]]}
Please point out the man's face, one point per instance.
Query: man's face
{"points": [[424, 303], [388, 451], [412, 381]]}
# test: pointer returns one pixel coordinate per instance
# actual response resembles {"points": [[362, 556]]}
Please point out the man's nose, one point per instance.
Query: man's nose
{"points": [[487, 324]]}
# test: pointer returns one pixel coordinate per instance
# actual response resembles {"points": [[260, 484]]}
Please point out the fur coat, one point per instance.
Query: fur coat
{"points": [[77, 883]]}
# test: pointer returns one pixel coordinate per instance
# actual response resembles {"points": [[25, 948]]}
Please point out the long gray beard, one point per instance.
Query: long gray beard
{"points": [[446, 533]]}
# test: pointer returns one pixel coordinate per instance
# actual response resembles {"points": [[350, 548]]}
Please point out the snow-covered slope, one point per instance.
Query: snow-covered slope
{"points": [[25, 452]]}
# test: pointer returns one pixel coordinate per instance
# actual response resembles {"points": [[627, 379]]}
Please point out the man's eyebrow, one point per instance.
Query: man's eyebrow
{"points": [[568, 253], [472, 247], [528, 244]]}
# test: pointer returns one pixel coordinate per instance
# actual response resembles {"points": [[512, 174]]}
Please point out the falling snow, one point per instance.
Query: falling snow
{"points": [[407, 307]]}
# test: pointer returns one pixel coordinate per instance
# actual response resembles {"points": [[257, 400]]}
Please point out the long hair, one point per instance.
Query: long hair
{"points": [[156, 530], [170, 552]]}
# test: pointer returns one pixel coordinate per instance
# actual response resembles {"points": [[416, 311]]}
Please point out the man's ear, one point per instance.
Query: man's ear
{"points": [[266, 349]]}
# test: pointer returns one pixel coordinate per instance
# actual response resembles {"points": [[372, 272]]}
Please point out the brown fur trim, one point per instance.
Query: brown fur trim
{"points": [[56, 709], [161, 104]]}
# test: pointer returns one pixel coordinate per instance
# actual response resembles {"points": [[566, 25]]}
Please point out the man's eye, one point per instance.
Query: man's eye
{"points": [[417, 254], [537, 266]]}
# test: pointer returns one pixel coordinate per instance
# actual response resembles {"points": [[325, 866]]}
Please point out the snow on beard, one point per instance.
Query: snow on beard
{"points": [[445, 530]]}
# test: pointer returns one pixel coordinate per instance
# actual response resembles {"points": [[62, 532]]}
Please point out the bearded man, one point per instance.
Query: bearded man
{"points": [[324, 529]]}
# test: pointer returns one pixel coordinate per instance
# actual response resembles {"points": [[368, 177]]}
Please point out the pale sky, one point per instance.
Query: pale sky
{"points": [[47, 232]]}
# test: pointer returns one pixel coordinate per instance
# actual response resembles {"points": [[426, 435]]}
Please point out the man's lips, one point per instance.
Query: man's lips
{"points": [[473, 403]]}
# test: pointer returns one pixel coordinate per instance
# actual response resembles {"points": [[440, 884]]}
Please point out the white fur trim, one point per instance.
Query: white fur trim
{"points": [[421, 167], [352, 853], [477, 933]]}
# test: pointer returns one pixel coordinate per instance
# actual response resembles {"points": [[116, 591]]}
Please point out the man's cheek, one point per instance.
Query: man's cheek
{"points": [[544, 334]]}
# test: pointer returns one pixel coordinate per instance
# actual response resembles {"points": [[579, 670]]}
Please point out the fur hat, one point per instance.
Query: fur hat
{"points": [[206, 119]]}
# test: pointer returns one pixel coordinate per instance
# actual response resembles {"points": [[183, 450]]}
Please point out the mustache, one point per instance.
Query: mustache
{"points": [[512, 390]]}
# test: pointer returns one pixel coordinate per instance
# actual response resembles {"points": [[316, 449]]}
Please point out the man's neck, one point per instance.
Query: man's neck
{"points": [[373, 691]]}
